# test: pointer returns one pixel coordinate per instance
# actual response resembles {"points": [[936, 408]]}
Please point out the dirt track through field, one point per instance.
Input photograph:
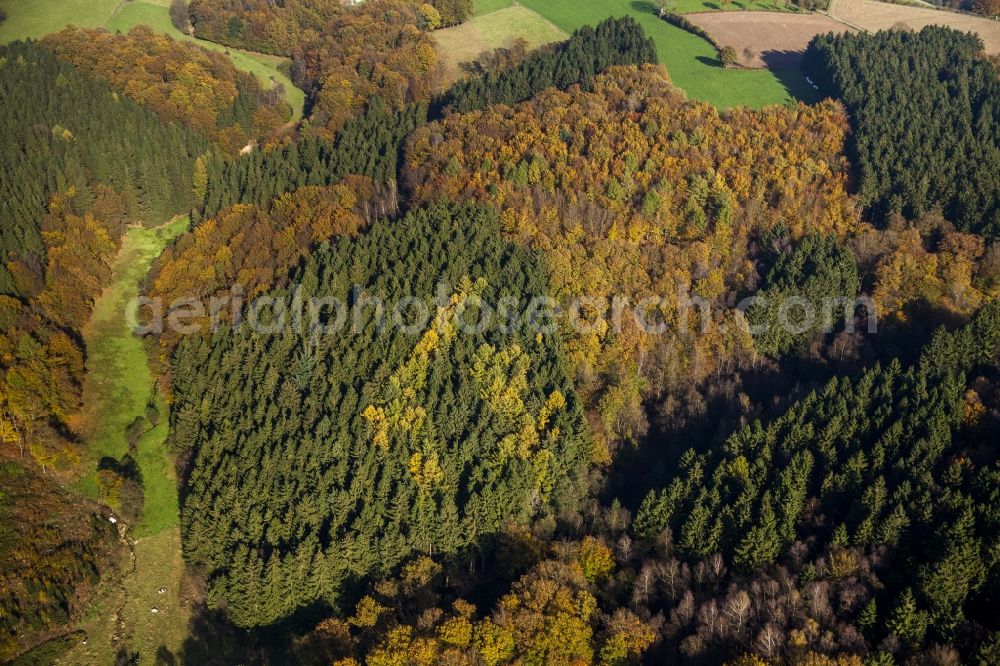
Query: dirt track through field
{"points": [[873, 16], [775, 40]]}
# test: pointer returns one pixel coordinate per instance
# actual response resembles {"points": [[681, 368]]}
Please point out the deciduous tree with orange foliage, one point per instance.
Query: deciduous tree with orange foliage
{"points": [[376, 49], [254, 247], [550, 615], [180, 82], [280, 27], [630, 190]]}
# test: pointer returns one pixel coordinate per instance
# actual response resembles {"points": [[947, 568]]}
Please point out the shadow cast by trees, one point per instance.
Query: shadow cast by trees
{"points": [[782, 59], [480, 574], [796, 85], [645, 6], [708, 413]]}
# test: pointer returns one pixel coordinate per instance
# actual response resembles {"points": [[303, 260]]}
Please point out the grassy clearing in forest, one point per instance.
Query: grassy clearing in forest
{"points": [[157, 637], [119, 386], [117, 389]]}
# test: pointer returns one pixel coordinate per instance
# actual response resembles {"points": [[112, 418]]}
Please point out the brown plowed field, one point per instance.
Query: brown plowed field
{"points": [[776, 39], [872, 15]]}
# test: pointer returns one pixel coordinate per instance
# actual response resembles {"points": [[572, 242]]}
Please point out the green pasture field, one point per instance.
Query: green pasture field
{"points": [[38, 18], [480, 7], [692, 62]]}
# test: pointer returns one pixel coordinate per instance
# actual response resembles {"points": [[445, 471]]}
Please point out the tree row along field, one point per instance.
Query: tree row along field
{"points": [[692, 62]]}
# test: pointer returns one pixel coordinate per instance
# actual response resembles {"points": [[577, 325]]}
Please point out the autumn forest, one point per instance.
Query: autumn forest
{"points": [[549, 364]]}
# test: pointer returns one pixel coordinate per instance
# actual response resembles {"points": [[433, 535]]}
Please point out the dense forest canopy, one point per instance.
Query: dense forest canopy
{"points": [[282, 27], [927, 122], [630, 191], [498, 373], [180, 82], [370, 143], [366, 145], [860, 522], [879, 475], [256, 247], [343, 54], [354, 449], [64, 132], [80, 162]]}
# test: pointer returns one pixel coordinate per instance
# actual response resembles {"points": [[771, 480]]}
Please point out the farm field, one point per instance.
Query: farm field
{"points": [[873, 16], [776, 40], [693, 6], [44, 16], [481, 7], [496, 29], [40, 17], [692, 62]]}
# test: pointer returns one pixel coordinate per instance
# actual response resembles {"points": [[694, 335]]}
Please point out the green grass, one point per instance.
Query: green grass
{"points": [[117, 389], [158, 563], [119, 384], [38, 18], [35, 18], [691, 61], [480, 7]]}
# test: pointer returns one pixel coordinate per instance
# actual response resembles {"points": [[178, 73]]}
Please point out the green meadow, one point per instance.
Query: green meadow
{"points": [[119, 385], [38, 18], [692, 62], [480, 7]]}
